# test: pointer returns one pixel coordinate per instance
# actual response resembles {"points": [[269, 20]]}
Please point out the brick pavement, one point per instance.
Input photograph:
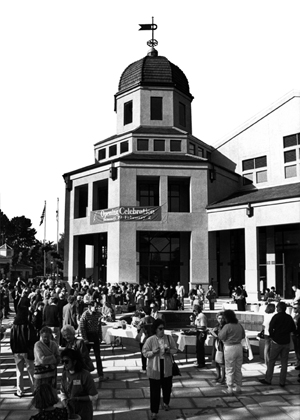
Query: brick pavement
{"points": [[194, 396]]}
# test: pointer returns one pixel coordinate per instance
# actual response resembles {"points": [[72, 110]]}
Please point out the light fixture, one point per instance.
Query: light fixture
{"points": [[113, 172], [212, 174], [249, 210]]}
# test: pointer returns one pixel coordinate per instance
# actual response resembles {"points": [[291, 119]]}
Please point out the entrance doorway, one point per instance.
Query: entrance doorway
{"points": [[163, 257]]}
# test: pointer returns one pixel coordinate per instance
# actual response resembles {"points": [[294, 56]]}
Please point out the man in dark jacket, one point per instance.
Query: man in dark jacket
{"points": [[280, 329], [70, 313], [52, 318]]}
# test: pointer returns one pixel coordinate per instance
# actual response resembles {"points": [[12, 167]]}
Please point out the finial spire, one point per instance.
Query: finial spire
{"points": [[150, 27]]}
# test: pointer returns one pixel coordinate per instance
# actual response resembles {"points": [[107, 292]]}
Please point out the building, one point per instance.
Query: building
{"points": [[257, 231], [158, 203]]}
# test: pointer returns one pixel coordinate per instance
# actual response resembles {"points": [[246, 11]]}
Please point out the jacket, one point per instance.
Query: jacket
{"points": [[153, 368]]}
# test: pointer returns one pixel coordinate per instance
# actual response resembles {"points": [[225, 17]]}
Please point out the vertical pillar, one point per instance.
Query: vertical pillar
{"points": [[213, 272], [251, 271], [225, 261], [271, 261]]}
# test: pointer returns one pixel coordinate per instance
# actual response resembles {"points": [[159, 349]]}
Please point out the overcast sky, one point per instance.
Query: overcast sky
{"points": [[61, 62]]}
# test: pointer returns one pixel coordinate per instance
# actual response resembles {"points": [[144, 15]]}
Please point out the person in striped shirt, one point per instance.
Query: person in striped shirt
{"points": [[90, 328]]}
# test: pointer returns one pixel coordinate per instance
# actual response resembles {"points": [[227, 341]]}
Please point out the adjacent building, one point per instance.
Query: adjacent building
{"points": [[159, 204]]}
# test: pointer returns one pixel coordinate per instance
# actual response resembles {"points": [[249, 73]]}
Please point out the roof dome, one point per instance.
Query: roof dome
{"points": [[154, 70]]}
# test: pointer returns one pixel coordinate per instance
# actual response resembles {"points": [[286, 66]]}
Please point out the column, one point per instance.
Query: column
{"points": [[251, 272]]}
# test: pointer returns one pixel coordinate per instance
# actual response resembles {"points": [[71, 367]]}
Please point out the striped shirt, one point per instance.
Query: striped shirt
{"points": [[90, 322]]}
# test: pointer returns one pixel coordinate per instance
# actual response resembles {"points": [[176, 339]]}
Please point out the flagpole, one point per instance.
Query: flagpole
{"points": [[57, 234], [45, 240], [57, 224]]}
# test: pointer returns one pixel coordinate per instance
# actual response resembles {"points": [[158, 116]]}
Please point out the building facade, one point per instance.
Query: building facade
{"points": [[153, 205], [257, 229]]}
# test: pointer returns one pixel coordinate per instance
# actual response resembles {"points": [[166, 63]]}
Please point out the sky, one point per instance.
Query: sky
{"points": [[61, 62]]}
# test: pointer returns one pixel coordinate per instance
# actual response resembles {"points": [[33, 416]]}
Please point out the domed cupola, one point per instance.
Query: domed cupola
{"points": [[153, 92], [154, 70]]}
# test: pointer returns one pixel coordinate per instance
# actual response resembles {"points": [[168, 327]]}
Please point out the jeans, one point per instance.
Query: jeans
{"points": [[95, 343], [267, 349], [21, 360], [277, 350], [233, 364]]}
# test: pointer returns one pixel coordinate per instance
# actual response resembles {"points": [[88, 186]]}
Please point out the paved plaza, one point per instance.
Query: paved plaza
{"points": [[195, 396]]}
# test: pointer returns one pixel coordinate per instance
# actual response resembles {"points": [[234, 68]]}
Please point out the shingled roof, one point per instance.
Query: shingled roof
{"points": [[154, 70], [280, 192]]}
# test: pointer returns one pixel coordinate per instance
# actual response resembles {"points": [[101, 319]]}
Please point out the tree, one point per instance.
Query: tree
{"points": [[19, 234], [21, 237]]}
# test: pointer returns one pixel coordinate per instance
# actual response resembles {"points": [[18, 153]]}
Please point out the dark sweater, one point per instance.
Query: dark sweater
{"points": [[51, 316], [281, 327]]}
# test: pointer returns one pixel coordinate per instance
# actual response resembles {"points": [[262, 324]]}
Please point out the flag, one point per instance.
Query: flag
{"points": [[147, 26], [43, 214]]}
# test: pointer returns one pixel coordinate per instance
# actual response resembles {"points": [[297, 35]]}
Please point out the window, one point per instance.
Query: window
{"points": [[254, 163], [148, 191], [128, 112], [156, 111], [112, 150], [182, 114], [200, 152], [101, 154], [178, 195], [261, 176], [290, 156], [175, 145], [290, 171], [208, 155], [124, 147], [81, 201], [192, 149], [100, 194], [143, 144], [292, 140], [159, 145], [248, 179], [248, 164]]}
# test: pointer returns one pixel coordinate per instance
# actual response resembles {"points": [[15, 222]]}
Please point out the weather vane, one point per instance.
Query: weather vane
{"points": [[150, 27]]}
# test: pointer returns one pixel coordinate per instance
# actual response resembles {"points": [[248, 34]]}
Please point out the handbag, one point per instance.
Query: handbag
{"points": [[175, 367], [219, 357], [40, 370], [261, 334]]}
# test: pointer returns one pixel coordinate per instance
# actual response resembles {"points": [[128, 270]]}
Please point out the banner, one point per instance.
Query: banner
{"points": [[126, 214]]}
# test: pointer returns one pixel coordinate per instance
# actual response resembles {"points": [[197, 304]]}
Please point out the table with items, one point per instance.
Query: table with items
{"points": [[113, 332]]}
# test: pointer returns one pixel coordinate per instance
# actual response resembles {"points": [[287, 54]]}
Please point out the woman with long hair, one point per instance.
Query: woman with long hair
{"points": [[218, 345], [232, 335], [158, 349]]}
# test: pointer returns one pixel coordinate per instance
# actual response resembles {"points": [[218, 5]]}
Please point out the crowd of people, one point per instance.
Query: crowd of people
{"points": [[48, 318]]}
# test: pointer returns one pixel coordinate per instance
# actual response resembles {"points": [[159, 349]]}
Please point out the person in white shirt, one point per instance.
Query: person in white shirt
{"points": [[297, 294], [200, 322], [180, 294], [268, 315]]}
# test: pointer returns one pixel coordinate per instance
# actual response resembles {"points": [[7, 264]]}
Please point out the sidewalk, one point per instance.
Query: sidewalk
{"points": [[194, 394]]}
